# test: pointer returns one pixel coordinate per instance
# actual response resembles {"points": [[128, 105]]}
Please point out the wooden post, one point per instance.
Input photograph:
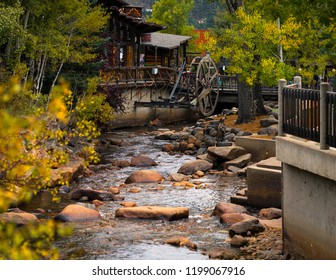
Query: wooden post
{"points": [[281, 84], [323, 116]]}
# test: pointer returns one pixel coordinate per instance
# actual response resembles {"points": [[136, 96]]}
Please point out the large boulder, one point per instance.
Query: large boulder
{"points": [[68, 172], [21, 218], [153, 213], [77, 213], [226, 207], [142, 161], [144, 176], [226, 152], [195, 165], [245, 228]]}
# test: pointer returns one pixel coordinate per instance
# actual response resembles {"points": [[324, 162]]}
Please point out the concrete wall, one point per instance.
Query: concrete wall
{"points": [[140, 116], [259, 148], [309, 199]]}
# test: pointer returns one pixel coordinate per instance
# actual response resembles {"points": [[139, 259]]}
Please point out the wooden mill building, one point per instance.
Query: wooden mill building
{"points": [[132, 37]]}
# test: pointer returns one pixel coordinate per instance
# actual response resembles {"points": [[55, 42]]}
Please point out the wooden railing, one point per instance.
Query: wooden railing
{"points": [[139, 75], [308, 114]]}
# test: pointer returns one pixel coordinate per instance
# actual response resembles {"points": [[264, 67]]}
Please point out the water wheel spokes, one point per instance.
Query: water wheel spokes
{"points": [[206, 88]]}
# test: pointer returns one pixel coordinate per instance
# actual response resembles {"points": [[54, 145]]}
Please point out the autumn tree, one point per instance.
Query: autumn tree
{"points": [[50, 34], [263, 43]]}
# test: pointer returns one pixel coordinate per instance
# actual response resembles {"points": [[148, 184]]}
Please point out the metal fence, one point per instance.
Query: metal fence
{"points": [[307, 113], [331, 118], [301, 113]]}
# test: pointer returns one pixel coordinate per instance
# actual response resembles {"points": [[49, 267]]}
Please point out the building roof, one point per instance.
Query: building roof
{"points": [[166, 41], [112, 3], [139, 25]]}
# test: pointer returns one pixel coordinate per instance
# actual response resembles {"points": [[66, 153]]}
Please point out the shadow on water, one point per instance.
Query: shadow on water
{"points": [[113, 238]]}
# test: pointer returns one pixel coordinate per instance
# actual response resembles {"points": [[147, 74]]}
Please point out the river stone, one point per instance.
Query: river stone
{"points": [[192, 166], [92, 195], [179, 241], [268, 122], [178, 177], [245, 228], [168, 148], [237, 241], [226, 207], [144, 176], [77, 213], [270, 213], [21, 218], [153, 213], [226, 153], [128, 204], [222, 254], [142, 161], [275, 223], [232, 218], [164, 136], [240, 162], [271, 130]]}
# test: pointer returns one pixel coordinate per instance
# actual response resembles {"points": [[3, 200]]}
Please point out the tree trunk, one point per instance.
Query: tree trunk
{"points": [[258, 102], [245, 103]]}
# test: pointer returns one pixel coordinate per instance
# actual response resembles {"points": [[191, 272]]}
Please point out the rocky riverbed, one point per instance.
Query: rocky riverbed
{"points": [[165, 194]]}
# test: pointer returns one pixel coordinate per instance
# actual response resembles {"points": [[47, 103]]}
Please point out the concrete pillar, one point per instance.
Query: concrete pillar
{"points": [[281, 84], [323, 116], [298, 81]]}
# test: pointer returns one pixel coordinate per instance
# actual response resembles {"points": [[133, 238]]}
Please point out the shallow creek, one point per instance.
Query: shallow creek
{"points": [[113, 238]]}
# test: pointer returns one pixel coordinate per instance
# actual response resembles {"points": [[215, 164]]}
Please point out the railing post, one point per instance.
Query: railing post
{"points": [[323, 116], [298, 81], [281, 84]]}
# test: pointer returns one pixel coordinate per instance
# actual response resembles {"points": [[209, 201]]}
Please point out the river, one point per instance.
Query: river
{"points": [[122, 239]]}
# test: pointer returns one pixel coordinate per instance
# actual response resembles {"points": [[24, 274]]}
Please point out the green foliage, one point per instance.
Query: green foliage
{"points": [[252, 46], [174, 15], [43, 36]]}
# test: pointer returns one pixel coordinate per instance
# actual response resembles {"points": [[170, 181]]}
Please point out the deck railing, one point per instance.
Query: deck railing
{"points": [[308, 114], [138, 75]]}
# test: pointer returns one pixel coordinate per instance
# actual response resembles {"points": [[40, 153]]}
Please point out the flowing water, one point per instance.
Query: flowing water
{"points": [[112, 238]]}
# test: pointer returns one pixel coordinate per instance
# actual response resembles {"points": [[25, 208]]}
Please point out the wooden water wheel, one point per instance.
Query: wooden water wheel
{"points": [[204, 84]]}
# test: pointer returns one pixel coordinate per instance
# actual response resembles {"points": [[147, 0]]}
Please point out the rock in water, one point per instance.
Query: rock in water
{"points": [[226, 207], [153, 213], [243, 228], [93, 195], [77, 213], [144, 176], [142, 161], [195, 165], [21, 218], [232, 218]]}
